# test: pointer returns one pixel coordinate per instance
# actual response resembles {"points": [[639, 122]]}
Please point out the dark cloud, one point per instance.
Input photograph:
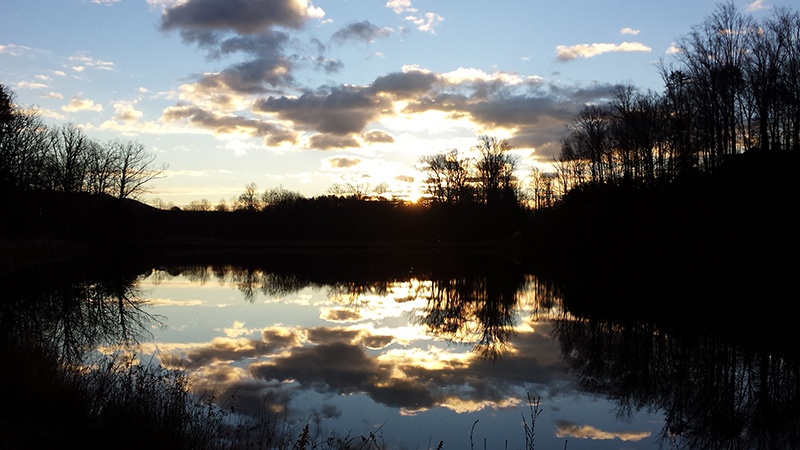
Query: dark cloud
{"points": [[241, 16], [343, 163], [403, 393], [318, 335], [376, 342], [265, 66], [342, 315], [340, 111], [376, 136], [363, 31], [405, 84], [538, 117], [328, 65], [238, 349], [250, 77], [329, 141], [225, 124], [340, 367]]}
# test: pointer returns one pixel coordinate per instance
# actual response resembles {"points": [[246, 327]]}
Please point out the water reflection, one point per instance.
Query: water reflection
{"points": [[716, 395], [423, 354], [72, 314]]}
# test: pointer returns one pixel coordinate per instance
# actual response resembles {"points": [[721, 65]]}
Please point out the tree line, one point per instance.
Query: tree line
{"points": [[37, 157], [734, 87], [485, 176]]}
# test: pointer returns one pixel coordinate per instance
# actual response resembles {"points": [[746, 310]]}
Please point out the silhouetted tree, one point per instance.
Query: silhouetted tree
{"points": [[280, 196], [23, 145], [495, 166], [357, 190], [199, 205], [447, 177], [68, 157], [249, 200], [134, 169]]}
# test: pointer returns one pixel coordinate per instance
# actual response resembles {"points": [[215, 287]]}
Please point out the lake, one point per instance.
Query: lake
{"points": [[472, 355]]}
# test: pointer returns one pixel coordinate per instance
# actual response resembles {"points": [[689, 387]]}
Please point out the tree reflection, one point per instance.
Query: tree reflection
{"points": [[476, 309], [72, 318], [715, 394]]}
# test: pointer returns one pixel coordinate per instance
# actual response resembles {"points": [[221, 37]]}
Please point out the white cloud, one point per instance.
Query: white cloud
{"points": [[426, 23], [628, 30], [125, 112], [568, 53], [30, 85], [14, 50], [673, 48], [81, 104], [757, 5], [52, 95], [400, 6], [83, 61]]}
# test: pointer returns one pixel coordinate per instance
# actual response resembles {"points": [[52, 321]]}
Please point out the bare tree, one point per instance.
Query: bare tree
{"points": [[199, 205], [495, 168], [134, 169], [447, 176], [249, 200], [280, 196], [357, 190], [100, 169], [24, 144], [68, 155]]}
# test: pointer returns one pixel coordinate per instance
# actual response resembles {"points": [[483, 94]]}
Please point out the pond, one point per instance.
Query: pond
{"points": [[490, 357]]}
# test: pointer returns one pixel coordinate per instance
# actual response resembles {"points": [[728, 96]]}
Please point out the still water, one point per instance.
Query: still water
{"points": [[490, 357], [416, 361]]}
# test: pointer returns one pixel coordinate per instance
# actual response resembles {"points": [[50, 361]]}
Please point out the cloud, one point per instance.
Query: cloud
{"points": [[757, 5], [378, 136], [266, 65], [329, 141], [81, 104], [363, 31], [237, 349], [568, 53], [673, 48], [229, 124], [241, 16], [52, 96], [567, 429], [628, 30], [532, 112], [400, 6], [340, 111], [126, 113], [15, 50], [427, 22], [342, 162], [407, 84], [30, 85], [80, 62]]}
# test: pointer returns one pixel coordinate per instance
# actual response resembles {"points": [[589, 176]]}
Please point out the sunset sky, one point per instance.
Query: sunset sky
{"points": [[305, 94]]}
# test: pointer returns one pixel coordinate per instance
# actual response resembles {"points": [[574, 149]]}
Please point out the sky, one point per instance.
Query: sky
{"points": [[304, 95]]}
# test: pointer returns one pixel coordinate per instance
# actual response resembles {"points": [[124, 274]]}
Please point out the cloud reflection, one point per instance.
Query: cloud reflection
{"points": [[568, 429]]}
